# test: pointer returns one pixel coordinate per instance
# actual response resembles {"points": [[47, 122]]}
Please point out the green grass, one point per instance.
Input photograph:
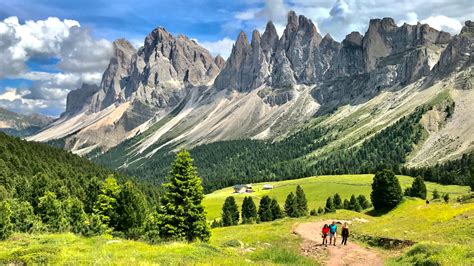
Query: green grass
{"points": [[317, 190]]}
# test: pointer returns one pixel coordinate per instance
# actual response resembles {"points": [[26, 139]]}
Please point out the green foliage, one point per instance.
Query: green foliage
{"points": [[446, 197], [352, 202], [436, 194], [183, 216], [301, 201], [363, 202], [249, 211], [330, 207], [131, 207], [320, 211], [230, 212], [357, 207], [107, 205], [291, 205], [313, 212], [347, 204], [77, 217], [418, 188], [277, 212], [23, 216], [386, 190], [265, 213], [337, 201], [52, 213], [152, 226], [6, 227]]}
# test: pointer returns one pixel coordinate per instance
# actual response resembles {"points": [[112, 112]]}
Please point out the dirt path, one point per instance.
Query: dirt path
{"points": [[352, 254]]}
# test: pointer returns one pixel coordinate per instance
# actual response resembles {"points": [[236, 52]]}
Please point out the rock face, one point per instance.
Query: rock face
{"points": [[81, 99], [20, 125]]}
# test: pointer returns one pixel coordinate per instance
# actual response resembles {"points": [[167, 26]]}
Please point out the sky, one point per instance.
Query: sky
{"points": [[50, 47]]}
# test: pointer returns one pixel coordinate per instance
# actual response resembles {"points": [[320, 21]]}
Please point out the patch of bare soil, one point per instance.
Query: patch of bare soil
{"points": [[351, 254]]}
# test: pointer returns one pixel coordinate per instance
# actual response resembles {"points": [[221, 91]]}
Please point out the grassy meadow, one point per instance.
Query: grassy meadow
{"points": [[443, 232], [317, 190]]}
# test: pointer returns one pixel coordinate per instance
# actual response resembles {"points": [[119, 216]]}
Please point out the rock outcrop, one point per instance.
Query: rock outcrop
{"points": [[81, 99]]}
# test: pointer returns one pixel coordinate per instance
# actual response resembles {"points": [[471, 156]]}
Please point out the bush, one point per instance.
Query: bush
{"points": [[330, 206], [6, 227], [313, 212]]}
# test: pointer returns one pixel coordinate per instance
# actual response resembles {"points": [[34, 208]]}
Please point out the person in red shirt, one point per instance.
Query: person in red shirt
{"points": [[325, 233]]}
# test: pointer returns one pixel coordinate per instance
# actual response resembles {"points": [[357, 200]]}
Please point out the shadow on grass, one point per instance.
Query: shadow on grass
{"points": [[378, 213]]}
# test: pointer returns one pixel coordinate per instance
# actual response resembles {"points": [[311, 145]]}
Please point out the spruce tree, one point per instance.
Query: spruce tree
{"points": [[436, 194], [386, 190], [418, 188], [291, 206], [320, 211], [75, 213], [277, 213], [107, 205], [52, 213], [230, 212], [330, 206], [6, 227], [364, 203], [182, 214], [337, 201], [265, 209], [352, 202], [23, 215], [132, 207], [249, 211], [301, 202], [446, 197], [346, 204], [357, 207]]}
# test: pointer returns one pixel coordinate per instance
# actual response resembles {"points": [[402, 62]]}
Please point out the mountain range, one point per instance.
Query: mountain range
{"points": [[22, 125], [172, 93]]}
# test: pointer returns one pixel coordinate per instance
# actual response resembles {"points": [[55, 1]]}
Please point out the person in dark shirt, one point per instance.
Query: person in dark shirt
{"points": [[345, 233]]}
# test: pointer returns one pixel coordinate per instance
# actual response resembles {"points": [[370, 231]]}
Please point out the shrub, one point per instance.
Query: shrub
{"points": [[386, 190]]}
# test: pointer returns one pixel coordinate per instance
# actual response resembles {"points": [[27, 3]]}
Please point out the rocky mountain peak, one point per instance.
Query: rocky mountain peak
{"points": [[255, 39], [468, 29], [219, 61], [269, 38], [353, 39]]}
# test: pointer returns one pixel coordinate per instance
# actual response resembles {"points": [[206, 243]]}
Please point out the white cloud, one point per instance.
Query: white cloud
{"points": [[15, 99], [221, 47], [444, 23], [82, 58]]}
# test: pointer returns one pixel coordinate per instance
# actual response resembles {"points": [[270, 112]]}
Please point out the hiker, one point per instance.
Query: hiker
{"points": [[325, 233], [332, 233], [345, 233]]}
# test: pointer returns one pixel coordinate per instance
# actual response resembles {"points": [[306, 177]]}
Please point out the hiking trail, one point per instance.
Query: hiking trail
{"points": [[352, 254]]}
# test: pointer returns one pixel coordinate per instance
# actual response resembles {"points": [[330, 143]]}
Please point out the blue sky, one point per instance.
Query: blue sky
{"points": [[45, 45]]}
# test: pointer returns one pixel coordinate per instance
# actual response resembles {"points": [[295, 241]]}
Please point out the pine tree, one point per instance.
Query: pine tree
{"points": [[291, 206], [265, 209], [313, 212], [357, 207], [52, 213], [277, 213], [301, 201], [346, 204], [131, 207], [330, 206], [364, 203], [337, 201], [6, 227], [75, 213], [352, 202], [320, 211], [446, 197], [386, 190], [418, 188], [23, 215], [436, 194], [182, 214], [249, 211], [230, 212], [107, 205]]}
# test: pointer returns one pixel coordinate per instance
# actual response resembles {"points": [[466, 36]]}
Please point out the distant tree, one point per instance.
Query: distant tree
{"points": [[386, 190], [6, 227], [107, 205], [216, 223], [301, 201], [446, 197], [417, 189], [249, 211], [357, 207], [277, 213], [320, 211], [364, 203], [131, 207], [77, 217], [291, 206], [436, 194], [313, 212], [151, 228], [338, 201], [230, 212], [182, 214], [52, 213], [346, 204], [23, 216], [330, 206], [265, 213], [352, 202]]}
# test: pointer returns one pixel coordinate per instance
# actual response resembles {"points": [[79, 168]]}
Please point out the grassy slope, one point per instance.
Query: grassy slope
{"points": [[317, 190]]}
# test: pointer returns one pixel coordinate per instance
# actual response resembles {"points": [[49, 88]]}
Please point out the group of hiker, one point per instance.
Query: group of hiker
{"points": [[331, 232]]}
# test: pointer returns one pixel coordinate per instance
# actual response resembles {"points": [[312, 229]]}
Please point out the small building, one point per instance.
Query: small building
{"points": [[267, 187], [240, 189]]}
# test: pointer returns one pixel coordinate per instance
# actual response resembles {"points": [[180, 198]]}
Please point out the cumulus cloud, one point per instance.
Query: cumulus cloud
{"points": [[81, 59], [221, 47], [444, 23]]}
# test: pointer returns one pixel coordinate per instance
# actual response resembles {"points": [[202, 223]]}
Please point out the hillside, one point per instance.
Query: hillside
{"points": [[19, 125], [304, 109], [440, 229]]}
